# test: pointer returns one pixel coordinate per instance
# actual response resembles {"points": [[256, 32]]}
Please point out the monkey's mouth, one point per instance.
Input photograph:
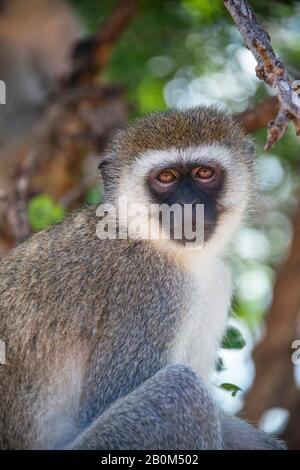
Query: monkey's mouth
{"points": [[189, 231]]}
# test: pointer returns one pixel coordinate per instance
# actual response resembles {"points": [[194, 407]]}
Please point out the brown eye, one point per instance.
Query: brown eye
{"points": [[167, 176], [203, 172]]}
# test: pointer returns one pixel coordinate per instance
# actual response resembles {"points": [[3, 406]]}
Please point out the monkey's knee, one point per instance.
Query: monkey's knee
{"points": [[184, 399], [171, 410]]}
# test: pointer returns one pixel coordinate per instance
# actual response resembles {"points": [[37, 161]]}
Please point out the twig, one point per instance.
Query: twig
{"points": [[3, 195], [270, 68], [258, 117], [91, 54], [16, 209]]}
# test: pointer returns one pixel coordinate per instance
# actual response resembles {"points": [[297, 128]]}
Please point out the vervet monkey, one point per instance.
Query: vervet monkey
{"points": [[110, 342]]}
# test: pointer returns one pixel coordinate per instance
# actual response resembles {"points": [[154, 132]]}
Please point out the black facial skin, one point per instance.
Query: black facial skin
{"points": [[187, 187]]}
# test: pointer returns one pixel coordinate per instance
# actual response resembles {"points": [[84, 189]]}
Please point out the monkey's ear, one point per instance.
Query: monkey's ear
{"points": [[106, 160]]}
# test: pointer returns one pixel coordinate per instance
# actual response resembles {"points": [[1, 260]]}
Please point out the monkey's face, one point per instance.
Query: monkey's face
{"points": [[197, 164], [185, 188], [205, 189]]}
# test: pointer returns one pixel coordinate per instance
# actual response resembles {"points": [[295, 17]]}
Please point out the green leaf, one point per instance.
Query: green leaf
{"points": [[233, 389], [150, 95], [233, 339], [43, 211], [205, 9]]}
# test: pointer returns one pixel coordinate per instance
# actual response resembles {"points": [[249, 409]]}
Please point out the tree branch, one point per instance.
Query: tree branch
{"points": [[270, 68], [91, 54], [274, 383], [257, 118]]}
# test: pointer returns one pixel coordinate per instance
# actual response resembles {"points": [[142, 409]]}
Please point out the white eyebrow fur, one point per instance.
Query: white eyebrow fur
{"points": [[205, 154], [212, 153]]}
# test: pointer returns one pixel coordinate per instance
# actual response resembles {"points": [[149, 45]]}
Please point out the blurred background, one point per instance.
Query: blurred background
{"points": [[77, 71]]}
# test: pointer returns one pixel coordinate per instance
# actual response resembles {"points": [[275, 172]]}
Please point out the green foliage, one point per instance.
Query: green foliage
{"points": [[94, 195], [250, 311], [44, 211], [150, 95], [272, 9], [233, 389], [198, 36], [206, 10], [93, 12], [233, 339], [159, 29]]}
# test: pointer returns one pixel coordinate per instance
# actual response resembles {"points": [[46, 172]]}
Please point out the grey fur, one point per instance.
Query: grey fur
{"points": [[171, 410], [240, 435]]}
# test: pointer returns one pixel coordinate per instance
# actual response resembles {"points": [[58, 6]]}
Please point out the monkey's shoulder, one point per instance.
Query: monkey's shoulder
{"points": [[68, 263]]}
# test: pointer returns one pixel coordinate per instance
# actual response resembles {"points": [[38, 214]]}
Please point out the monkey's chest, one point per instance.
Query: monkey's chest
{"points": [[200, 330]]}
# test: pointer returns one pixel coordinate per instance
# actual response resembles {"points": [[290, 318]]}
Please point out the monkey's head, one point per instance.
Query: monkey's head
{"points": [[195, 157]]}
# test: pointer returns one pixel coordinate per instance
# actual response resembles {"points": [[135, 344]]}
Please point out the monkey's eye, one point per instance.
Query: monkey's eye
{"points": [[168, 176], [204, 173]]}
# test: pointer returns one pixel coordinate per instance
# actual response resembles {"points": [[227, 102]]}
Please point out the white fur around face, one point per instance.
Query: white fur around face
{"points": [[162, 158], [235, 195]]}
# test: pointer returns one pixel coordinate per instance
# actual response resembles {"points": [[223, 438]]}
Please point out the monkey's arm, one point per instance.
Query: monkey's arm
{"points": [[171, 410]]}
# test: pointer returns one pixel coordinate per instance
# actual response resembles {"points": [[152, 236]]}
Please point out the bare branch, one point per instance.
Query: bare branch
{"points": [[3, 195], [17, 199], [270, 68], [258, 117], [91, 54]]}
